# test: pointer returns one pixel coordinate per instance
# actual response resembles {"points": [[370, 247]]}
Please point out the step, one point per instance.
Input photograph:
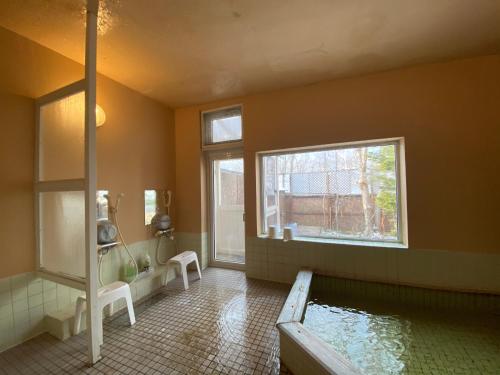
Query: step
{"points": [[60, 323]]}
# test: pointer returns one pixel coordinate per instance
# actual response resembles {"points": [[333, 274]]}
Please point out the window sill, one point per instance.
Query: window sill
{"points": [[391, 245]]}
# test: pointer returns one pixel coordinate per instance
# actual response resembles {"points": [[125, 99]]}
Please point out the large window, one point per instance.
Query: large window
{"points": [[347, 192]]}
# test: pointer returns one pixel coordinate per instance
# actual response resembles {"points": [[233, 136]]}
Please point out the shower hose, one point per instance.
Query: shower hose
{"points": [[158, 260], [120, 236]]}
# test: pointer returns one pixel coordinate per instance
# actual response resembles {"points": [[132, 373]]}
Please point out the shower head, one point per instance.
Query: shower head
{"points": [[167, 200], [119, 196], [113, 208]]}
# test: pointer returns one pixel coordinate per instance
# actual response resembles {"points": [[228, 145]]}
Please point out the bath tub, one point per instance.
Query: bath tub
{"points": [[339, 326]]}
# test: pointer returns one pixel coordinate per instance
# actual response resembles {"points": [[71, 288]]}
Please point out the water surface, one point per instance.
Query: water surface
{"points": [[391, 339]]}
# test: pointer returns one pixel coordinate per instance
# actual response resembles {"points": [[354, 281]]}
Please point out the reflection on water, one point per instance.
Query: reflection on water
{"points": [[390, 340], [373, 343]]}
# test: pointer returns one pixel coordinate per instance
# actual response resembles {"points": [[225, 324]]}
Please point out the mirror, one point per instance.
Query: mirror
{"points": [[102, 204], [152, 204]]}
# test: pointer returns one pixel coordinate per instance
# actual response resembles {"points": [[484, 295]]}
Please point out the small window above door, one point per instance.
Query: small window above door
{"points": [[222, 128]]}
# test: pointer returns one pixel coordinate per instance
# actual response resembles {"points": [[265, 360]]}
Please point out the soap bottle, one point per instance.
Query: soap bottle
{"points": [[146, 262], [129, 272]]}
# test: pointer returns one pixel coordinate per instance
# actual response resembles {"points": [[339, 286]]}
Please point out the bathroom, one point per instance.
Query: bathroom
{"points": [[238, 150]]}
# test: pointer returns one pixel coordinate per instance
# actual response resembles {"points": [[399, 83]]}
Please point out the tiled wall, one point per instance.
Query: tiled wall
{"points": [[409, 296], [194, 241], [26, 299], [273, 259]]}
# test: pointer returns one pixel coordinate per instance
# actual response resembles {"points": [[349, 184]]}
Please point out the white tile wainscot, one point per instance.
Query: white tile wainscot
{"points": [[197, 242], [25, 299], [275, 260]]}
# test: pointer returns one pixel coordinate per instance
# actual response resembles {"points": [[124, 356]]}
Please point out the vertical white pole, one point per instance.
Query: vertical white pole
{"points": [[36, 210], [277, 187], [94, 316]]}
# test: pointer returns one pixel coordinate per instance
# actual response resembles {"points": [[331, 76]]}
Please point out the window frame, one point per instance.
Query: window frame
{"points": [[206, 144], [401, 198], [210, 201]]}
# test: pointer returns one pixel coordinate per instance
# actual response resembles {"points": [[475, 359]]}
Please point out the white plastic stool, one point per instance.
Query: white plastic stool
{"points": [[182, 260], [106, 296]]}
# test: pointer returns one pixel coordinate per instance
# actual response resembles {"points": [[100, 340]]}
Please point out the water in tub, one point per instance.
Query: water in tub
{"points": [[391, 339]]}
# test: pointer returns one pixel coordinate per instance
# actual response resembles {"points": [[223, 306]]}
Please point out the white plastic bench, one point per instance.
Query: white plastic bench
{"points": [[182, 260], [106, 296]]}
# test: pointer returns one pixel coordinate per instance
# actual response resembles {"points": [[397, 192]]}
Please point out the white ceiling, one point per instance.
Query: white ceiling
{"points": [[183, 52]]}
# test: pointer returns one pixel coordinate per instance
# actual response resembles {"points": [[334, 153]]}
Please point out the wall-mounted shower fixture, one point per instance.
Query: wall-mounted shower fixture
{"points": [[113, 209], [132, 269], [106, 232], [167, 200], [163, 225], [161, 221]]}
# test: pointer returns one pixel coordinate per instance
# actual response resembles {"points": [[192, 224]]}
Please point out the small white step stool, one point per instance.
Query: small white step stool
{"points": [[106, 296], [182, 260]]}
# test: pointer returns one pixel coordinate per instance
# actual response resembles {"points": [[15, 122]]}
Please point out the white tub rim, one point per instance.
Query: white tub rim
{"points": [[290, 327]]}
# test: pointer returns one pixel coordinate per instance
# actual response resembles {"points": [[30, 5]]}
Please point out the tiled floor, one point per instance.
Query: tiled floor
{"points": [[230, 256], [221, 325]]}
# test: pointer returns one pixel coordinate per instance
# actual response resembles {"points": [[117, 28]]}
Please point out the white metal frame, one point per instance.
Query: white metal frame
{"points": [[262, 197], [86, 184], [53, 186], [400, 185], [205, 146], [94, 315], [212, 152], [211, 157]]}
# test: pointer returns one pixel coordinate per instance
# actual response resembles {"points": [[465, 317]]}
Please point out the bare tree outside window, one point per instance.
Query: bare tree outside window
{"points": [[344, 193]]}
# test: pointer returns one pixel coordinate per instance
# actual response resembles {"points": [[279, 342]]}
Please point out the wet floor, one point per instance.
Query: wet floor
{"points": [[224, 324]]}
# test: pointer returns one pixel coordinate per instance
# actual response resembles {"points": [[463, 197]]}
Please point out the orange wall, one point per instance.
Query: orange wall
{"points": [[17, 240], [135, 151], [135, 147], [448, 113], [189, 179], [31, 70]]}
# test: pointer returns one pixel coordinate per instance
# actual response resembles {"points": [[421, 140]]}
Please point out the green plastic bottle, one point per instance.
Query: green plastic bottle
{"points": [[129, 272]]}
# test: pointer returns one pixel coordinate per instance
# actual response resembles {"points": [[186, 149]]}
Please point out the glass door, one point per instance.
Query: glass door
{"points": [[228, 209]]}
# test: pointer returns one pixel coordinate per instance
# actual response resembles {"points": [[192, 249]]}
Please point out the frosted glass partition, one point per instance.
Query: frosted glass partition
{"points": [[65, 185], [62, 232], [62, 138]]}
